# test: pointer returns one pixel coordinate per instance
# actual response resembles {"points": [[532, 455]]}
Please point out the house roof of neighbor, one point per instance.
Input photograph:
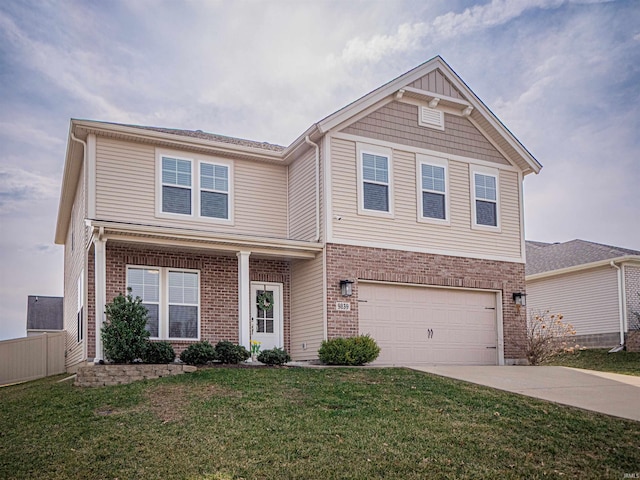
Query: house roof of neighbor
{"points": [[545, 257], [44, 313]]}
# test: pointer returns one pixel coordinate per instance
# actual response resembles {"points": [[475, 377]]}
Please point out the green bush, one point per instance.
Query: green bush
{"points": [[124, 335], [228, 352], [158, 352], [349, 351], [199, 353], [276, 356]]}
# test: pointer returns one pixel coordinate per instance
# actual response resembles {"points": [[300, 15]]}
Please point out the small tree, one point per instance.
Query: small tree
{"points": [[124, 335], [547, 336]]}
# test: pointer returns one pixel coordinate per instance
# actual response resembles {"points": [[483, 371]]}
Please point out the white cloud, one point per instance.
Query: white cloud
{"points": [[19, 188]]}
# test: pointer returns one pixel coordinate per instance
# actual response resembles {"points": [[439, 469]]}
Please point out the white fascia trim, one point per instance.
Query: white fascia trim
{"points": [[481, 108], [584, 266], [179, 140], [375, 96], [364, 113], [408, 248], [496, 146], [423, 151]]}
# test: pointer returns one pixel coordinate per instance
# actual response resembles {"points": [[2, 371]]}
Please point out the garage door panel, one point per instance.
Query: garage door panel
{"points": [[399, 318]]}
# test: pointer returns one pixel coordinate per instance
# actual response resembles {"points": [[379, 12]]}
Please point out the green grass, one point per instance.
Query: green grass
{"points": [[627, 363], [303, 423]]}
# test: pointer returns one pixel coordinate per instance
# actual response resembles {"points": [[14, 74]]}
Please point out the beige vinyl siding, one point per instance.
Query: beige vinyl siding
{"points": [[302, 197], [74, 259], [436, 82], [126, 183], [404, 230], [307, 315], [397, 122], [588, 299]]}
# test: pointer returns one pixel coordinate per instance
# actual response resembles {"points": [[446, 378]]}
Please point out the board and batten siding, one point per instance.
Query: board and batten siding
{"points": [[403, 231], [74, 260], [302, 200], [588, 299], [436, 82], [307, 313], [126, 183]]}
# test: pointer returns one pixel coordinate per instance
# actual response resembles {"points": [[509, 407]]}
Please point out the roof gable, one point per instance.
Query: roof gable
{"points": [[436, 72], [547, 257]]}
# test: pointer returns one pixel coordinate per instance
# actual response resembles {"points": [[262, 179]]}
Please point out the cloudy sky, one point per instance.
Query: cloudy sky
{"points": [[564, 76]]}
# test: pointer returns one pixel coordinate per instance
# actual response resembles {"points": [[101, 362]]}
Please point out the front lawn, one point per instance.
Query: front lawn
{"points": [[627, 363], [278, 423]]}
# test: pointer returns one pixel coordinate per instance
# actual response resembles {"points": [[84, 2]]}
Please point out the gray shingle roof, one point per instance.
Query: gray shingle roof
{"points": [[210, 136], [545, 257], [44, 313]]}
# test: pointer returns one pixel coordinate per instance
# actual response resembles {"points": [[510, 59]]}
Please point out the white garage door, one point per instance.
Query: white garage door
{"points": [[421, 325]]}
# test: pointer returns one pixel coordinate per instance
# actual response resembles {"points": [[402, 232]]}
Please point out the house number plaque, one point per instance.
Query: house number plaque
{"points": [[343, 306]]}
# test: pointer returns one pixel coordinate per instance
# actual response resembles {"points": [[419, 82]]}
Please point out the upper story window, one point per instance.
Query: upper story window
{"points": [[432, 185], [374, 185], [196, 187], [176, 185], [214, 190], [171, 297], [485, 197]]}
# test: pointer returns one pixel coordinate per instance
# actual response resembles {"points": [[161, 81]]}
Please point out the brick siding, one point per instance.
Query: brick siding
{"points": [[363, 263], [218, 286]]}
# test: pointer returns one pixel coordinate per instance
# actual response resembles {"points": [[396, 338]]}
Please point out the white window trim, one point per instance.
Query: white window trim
{"points": [[163, 301], [195, 160], [491, 172], [362, 148], [437, 162]]}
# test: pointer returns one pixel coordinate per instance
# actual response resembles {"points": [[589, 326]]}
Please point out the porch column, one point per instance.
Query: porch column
{"points": [[244, 300], [100, 294]]}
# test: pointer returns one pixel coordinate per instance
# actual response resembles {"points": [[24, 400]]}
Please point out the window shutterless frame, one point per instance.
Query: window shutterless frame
{"points": [[172, 298], [485, 198], [210, 183], [375, 180], [432, 188]]}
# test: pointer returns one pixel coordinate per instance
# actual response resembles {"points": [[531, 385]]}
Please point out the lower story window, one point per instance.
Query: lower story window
{"points": [[172, 298]]}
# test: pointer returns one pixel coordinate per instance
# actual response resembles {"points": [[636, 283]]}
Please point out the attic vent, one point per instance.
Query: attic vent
{"points": [[430, 117]]}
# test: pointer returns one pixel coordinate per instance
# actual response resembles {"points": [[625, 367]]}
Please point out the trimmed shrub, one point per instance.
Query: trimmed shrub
{"points": [[124, 334], [228, 352], [349, 351], [158, 352], [276, 356], [199, 353]]}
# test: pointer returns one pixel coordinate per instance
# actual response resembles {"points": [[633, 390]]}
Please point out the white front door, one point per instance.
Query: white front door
{"points": [[266, 314]]}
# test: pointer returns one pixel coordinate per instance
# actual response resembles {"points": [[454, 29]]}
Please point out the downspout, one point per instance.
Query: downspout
{"points": [[308, 141], [620, 301], [85, 264]]}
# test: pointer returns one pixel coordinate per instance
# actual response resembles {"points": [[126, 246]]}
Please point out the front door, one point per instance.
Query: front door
{"points": [[266, 314]]}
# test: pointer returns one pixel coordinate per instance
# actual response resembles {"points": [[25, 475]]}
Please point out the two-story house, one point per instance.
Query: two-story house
{"points": [[400, 215]]}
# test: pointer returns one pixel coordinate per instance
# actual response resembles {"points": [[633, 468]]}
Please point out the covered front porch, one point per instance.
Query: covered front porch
{"points": [[196, 287]]}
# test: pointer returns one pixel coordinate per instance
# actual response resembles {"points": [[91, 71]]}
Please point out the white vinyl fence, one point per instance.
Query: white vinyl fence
{"points": [[29, 358]]}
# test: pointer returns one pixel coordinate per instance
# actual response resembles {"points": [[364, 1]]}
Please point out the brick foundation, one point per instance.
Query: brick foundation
{"points": [[363, 263], [218, 286]]}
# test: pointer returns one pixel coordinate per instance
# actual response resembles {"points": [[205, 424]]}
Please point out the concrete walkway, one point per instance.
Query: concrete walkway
{"points": [[609, 393]]}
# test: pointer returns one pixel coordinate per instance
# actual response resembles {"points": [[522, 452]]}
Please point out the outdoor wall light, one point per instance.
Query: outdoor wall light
{"points": [[520, 299], [346, 288]]}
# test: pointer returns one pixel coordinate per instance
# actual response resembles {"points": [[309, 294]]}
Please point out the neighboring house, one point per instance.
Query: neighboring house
{"points": [[44, 314], [595, 287], [413, 193]]}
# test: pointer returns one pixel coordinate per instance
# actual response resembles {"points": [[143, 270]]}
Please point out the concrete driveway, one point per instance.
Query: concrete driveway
{"points": [[609, 393]]}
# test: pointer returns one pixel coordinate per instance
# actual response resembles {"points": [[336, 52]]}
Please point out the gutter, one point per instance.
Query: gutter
{"points": [[308, 141], [620, 299]]}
